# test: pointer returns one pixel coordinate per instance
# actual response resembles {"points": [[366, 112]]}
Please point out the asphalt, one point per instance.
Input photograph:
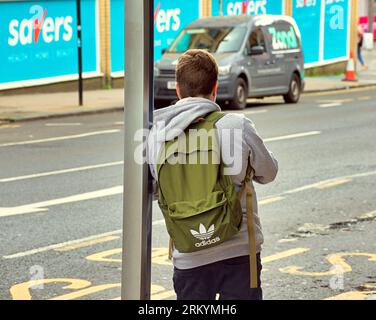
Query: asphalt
{"points": [[304, 223]]}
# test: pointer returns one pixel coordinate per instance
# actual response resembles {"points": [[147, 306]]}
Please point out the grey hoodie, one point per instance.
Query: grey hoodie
{"points": [[170, 122]]}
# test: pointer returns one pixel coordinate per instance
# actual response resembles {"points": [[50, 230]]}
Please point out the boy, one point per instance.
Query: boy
{"points": [[223, 269]]}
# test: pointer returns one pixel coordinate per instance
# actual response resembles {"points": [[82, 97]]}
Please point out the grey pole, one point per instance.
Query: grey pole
{"points": [[371, 4], [136, 265]]}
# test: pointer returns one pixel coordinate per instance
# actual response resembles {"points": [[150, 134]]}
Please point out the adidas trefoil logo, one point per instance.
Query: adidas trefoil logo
{"points": [[205, 235]]}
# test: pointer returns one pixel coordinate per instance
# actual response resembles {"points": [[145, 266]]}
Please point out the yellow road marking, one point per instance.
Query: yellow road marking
{"points": [[9, 126], [159, 256], [333, 183], [87, 243], [284, 254], [22, 291], [87, 291], [158, 293], [337, 260], [161, 293], [103, 256], [355, 295], [270, 200]]}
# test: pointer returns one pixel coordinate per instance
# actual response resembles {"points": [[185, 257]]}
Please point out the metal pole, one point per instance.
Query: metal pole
{"points": [[79, 46], [370, 15], [137, 217], [221, 8]]}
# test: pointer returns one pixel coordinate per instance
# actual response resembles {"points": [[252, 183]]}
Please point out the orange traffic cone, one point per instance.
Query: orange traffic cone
{"points": [[350, 74]]}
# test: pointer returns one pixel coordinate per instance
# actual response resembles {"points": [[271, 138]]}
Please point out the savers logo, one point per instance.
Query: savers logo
{"points": [[167, 19], [247, 7], [40, 27]]}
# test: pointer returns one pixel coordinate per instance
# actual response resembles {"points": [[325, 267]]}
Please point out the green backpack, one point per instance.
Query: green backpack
{"points": [[200, 204]]}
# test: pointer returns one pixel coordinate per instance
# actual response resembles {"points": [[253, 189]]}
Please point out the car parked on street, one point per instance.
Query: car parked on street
{"points": [[258, 56]]}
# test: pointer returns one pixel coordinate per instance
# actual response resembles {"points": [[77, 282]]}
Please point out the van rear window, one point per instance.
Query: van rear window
{"points": [[282, 36], [214, 40]]}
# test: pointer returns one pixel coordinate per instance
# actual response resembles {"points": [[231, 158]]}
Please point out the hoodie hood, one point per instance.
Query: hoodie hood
{"points": [[170, 122]]}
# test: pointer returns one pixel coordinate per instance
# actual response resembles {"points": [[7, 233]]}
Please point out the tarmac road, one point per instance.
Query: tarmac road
{"points": [[61, 203]]}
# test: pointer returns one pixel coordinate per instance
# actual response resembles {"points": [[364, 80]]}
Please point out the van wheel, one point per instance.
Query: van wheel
{"points": [[293, 96], [239, 102]]}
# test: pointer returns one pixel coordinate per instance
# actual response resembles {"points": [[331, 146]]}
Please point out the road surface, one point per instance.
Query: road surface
{"points": [[61, 203]]}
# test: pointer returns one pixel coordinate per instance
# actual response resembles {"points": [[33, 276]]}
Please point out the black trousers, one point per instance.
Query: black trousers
{"points": [[228, 278]]}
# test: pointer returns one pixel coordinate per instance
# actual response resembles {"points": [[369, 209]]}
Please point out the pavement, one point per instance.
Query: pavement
{"points": [[38, 106], [61, 203]]}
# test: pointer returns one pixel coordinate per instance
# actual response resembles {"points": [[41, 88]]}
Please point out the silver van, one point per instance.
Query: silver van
{"points": [[258, 56]]}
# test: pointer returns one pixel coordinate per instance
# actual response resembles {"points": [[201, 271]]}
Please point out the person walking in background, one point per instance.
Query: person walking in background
{"points": [[360, 46]]}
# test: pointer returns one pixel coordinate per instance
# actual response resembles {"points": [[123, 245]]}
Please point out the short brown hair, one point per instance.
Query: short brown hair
{"points": [[196, 73]]}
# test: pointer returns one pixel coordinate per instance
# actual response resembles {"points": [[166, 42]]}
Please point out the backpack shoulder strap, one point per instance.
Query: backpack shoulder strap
{"points": [[211, 119], [250, 225]]}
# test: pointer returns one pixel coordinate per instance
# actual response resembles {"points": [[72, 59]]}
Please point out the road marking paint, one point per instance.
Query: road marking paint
{"points": [[336, 100], [163, 295], [284, 254], [287, 240], [161, 222], [77, 136], [158, 293], [294, 136], [103, 256], [87, 243], [337, 260], [9, 126], [333, 183], [43, 206], [87, 291], [119, 123], [159, 256], [367, 216], [62, 124], [315, 185], [256, 111], [356, 295], [84, 288], [364, 98], [21, 291], [57, 172], [68, 243], [60, 245], [270, 200], [336, 92], [330, 105]]}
